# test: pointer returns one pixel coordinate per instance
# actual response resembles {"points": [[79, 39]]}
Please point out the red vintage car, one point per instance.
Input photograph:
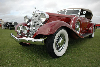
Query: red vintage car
{"points": [[54, 29]]}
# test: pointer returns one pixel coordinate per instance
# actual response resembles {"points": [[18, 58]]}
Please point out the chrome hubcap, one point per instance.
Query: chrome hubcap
{"points": [[77, 27], [60, 42]]}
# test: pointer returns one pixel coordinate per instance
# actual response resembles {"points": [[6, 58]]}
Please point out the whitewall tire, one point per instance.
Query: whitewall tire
{"points": [[57, 43]]}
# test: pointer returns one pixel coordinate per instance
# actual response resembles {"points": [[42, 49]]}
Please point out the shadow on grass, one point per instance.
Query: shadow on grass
{"points": [[77, 43], [40, 50]]}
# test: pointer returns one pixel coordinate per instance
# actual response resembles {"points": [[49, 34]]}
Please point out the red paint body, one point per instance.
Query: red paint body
{"points": [[56, 21]]}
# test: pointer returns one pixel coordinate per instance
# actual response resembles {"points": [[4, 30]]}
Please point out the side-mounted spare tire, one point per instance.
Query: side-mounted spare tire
{"points": [[57, 43]]}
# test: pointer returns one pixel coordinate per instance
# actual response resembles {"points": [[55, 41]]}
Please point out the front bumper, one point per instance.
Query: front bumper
{"points": [[27, 40]]}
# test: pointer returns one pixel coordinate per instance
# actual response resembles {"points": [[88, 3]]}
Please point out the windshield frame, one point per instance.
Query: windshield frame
{"points": [[59, 12], [79, 10]]}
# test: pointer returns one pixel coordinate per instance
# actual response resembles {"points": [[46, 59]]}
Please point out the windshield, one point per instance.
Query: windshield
{"points": [[69, 12], [72, 12]]}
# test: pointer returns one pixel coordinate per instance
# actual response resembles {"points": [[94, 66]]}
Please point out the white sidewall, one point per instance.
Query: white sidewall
{"points": [[93, 32], [66, 44]]}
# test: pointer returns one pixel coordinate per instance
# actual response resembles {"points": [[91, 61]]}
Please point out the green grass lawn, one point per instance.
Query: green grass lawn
{"points": [[80, 53]]}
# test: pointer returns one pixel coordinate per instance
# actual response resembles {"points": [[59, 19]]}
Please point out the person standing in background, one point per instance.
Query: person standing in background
{"points": [[2, 23]]}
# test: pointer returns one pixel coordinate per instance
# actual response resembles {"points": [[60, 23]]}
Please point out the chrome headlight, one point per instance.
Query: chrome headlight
{"points": [[43, 16], [26, 18], [40, 15], [24, 29], [18, 29]]}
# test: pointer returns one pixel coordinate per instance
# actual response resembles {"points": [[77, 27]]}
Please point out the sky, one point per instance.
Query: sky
{"points": [[15, 10]]}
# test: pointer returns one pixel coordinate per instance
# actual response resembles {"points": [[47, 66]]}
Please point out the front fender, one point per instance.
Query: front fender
{"points": [[51, 27]]}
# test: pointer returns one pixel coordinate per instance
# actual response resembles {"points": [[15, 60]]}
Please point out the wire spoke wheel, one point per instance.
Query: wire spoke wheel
{"points": [[57, 43], [60, 42], [77, 27]]}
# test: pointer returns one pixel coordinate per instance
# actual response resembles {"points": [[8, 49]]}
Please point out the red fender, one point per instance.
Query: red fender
{"points": [[51, 28]]}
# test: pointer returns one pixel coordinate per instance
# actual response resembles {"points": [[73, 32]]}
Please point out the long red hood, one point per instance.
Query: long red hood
{"points": [[60, 15]]}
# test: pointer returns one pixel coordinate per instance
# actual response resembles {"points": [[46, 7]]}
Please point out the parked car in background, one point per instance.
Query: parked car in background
{"points": [[54, 29], [10, 25], [97, 25]]}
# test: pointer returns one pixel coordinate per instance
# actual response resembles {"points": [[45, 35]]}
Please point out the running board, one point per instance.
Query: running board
{"points": [[85, 35]]}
